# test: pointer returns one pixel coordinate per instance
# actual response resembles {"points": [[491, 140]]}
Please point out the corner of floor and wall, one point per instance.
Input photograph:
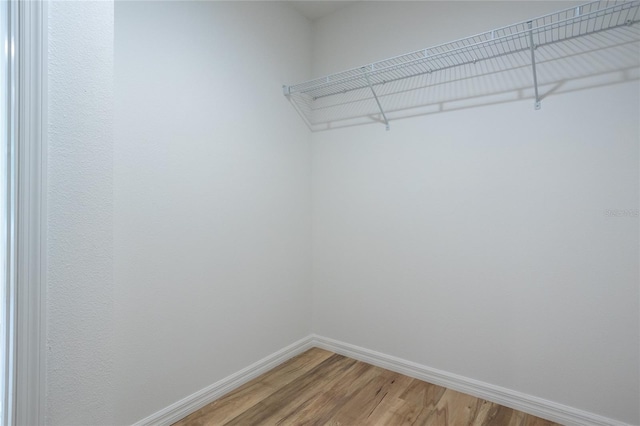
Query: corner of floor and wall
{"points": [[199, 234]]}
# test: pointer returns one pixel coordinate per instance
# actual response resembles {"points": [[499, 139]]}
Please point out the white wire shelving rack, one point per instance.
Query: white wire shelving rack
{"points": [[516, 39]]}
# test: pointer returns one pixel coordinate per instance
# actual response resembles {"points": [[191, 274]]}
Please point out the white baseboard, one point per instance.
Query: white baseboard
{"points": [[509, 398], [193, 402]]}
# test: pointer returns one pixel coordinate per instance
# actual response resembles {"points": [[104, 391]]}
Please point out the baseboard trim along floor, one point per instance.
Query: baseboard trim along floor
{"points": [[195, 401], [509, 398], [538, 407]]}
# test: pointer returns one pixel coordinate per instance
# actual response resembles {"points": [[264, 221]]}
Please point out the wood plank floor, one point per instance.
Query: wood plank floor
{"points": [[322, 388]]}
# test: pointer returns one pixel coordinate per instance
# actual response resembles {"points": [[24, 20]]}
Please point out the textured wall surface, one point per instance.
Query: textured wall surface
{"points": [[477, 240], [474, 241], [212, 195], [80, 214]]}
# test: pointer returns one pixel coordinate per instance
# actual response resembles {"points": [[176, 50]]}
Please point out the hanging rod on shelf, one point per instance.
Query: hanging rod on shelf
{"points": [[589, 18]]}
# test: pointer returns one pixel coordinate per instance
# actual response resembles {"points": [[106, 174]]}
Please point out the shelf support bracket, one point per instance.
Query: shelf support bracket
{"points": [[536, 105], [375, 96]]}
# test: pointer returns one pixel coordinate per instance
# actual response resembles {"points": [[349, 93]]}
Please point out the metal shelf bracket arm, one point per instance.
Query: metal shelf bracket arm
{"points": [[375, 96], [536, 105]]}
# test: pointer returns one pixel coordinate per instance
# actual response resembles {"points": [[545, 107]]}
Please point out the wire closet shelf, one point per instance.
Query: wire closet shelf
{"points": [[564, 25]]}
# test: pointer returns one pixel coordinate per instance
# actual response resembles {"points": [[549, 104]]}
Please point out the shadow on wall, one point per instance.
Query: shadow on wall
{"points": [[594, 60]]}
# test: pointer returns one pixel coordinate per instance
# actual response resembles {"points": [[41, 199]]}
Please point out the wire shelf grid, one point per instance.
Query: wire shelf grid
{"points": [[513, 41]]}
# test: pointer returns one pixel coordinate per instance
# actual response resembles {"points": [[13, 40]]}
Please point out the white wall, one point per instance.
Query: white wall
{"points": [[80, 214], [476, 241], [212, 195], [473, 241]]}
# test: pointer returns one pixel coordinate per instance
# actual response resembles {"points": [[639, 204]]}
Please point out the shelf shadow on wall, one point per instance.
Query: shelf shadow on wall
{"points": [[596, 60]]}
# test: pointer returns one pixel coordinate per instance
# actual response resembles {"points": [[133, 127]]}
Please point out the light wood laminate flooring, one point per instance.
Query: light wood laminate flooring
{"points": [[322, 388]]}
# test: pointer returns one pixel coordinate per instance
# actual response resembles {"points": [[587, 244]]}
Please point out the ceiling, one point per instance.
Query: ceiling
{"points": [[313, 10]]}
